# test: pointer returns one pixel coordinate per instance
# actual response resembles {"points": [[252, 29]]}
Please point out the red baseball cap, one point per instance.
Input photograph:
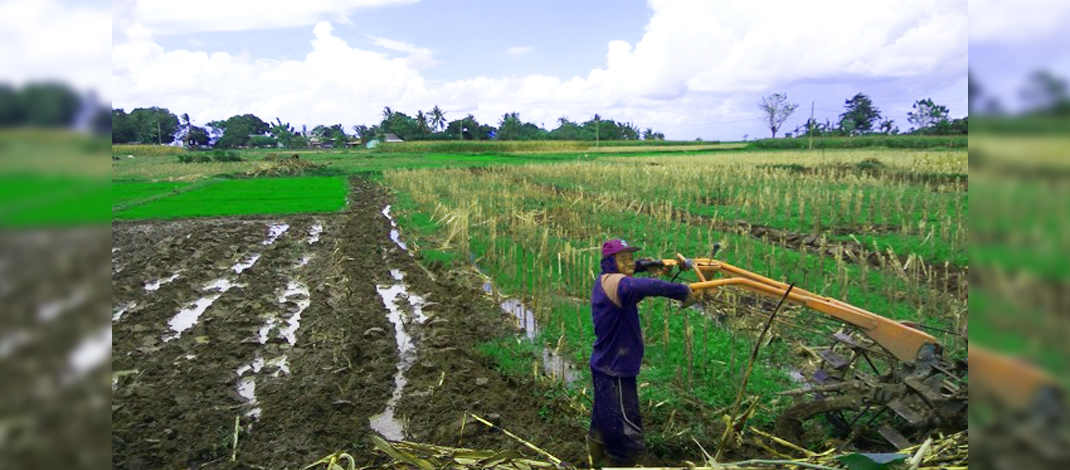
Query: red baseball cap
{"points": [[615, 246]]}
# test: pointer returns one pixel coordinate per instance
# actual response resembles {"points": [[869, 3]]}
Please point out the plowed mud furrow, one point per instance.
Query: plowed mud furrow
{"points": [[175, 402]]}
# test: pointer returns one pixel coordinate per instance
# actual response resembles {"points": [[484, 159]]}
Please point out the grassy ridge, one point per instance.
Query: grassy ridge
{"points": [[168, 167], [247, 197], [529, 146], [891, 142], [126, 192], [139, 150]]}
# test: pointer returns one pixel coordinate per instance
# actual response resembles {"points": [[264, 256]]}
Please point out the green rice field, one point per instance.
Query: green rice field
{"points": [[237, 197]]}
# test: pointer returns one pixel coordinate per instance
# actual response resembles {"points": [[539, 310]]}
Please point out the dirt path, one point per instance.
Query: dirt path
{"points": [[282, 324]]}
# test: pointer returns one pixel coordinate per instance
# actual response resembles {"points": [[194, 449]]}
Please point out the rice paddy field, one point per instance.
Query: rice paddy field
{"points": [[400, 293], [230, 197], [884, 231]]}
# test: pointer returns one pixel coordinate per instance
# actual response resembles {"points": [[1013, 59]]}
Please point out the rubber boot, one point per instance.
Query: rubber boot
{"points": [[596, 452]]}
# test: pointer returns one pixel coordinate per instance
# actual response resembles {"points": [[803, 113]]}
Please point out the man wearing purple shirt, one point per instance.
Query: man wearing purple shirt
{"points": [[616, 428]]}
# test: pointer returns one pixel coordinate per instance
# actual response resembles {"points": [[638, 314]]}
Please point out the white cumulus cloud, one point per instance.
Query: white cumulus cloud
{"points": [[419, 57], [1017, 21], [698, 65], [332, 83], [44, 40]]}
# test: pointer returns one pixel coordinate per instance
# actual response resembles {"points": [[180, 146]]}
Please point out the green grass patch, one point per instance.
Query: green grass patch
{"points": [[248, 197], [30, 200], [126, 192]]}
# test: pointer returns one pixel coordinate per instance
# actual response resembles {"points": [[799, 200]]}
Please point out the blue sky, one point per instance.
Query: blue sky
{"points": [[467, 37], [689, 68]]}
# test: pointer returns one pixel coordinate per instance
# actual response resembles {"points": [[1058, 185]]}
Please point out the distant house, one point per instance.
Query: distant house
{"points": [[318, 143], [392, 138]]}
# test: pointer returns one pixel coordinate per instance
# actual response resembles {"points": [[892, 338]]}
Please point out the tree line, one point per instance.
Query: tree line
{"points": [[160, 126], [862, 117], [50, 105]]}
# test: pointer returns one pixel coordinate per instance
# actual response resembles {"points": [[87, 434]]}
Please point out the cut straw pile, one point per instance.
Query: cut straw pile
{"points": [[946, 453], [289, 166]]}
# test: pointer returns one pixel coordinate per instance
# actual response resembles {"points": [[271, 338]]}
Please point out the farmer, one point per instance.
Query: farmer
{"points": [[616, 429]]}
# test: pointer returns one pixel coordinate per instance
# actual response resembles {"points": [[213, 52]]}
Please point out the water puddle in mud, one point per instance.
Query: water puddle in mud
{"points": [[246, 386], [118, 314], [525, 319], [553, 364], [247, 390], [94, 350], [53, 310], [386, 213], [558, 368], [254, 366], [395, 235], [280, 364], [297, 293], [386, 423], [314, 233], [155, 285], [247, 263], [187, 317], [274, 232]]}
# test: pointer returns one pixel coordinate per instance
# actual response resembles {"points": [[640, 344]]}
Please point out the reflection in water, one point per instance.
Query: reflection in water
{"points": [[400, 314]]}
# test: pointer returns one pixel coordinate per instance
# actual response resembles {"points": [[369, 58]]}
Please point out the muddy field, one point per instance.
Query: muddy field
{"points": [[307, 334]]}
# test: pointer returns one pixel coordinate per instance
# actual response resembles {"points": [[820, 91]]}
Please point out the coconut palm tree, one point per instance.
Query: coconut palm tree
{"points": [[438, 118], [421, 122]]}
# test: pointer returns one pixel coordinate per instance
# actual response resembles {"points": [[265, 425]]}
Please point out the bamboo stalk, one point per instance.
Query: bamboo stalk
{"points": [[915, 461], [527, 444], [784, 443], [234, 446]]}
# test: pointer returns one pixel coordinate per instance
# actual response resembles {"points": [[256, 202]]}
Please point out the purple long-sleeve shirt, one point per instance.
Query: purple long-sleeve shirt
{"points": [[618, 346]]}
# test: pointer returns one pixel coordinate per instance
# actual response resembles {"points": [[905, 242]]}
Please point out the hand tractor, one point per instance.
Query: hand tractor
{"points": [[879, 379]]}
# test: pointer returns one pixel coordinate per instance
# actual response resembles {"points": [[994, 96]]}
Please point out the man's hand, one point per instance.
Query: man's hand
{"points": [[691, 299], [652, 266]]}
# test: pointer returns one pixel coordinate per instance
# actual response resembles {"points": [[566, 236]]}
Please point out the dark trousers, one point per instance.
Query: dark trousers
{"points": [[615, 422]]}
